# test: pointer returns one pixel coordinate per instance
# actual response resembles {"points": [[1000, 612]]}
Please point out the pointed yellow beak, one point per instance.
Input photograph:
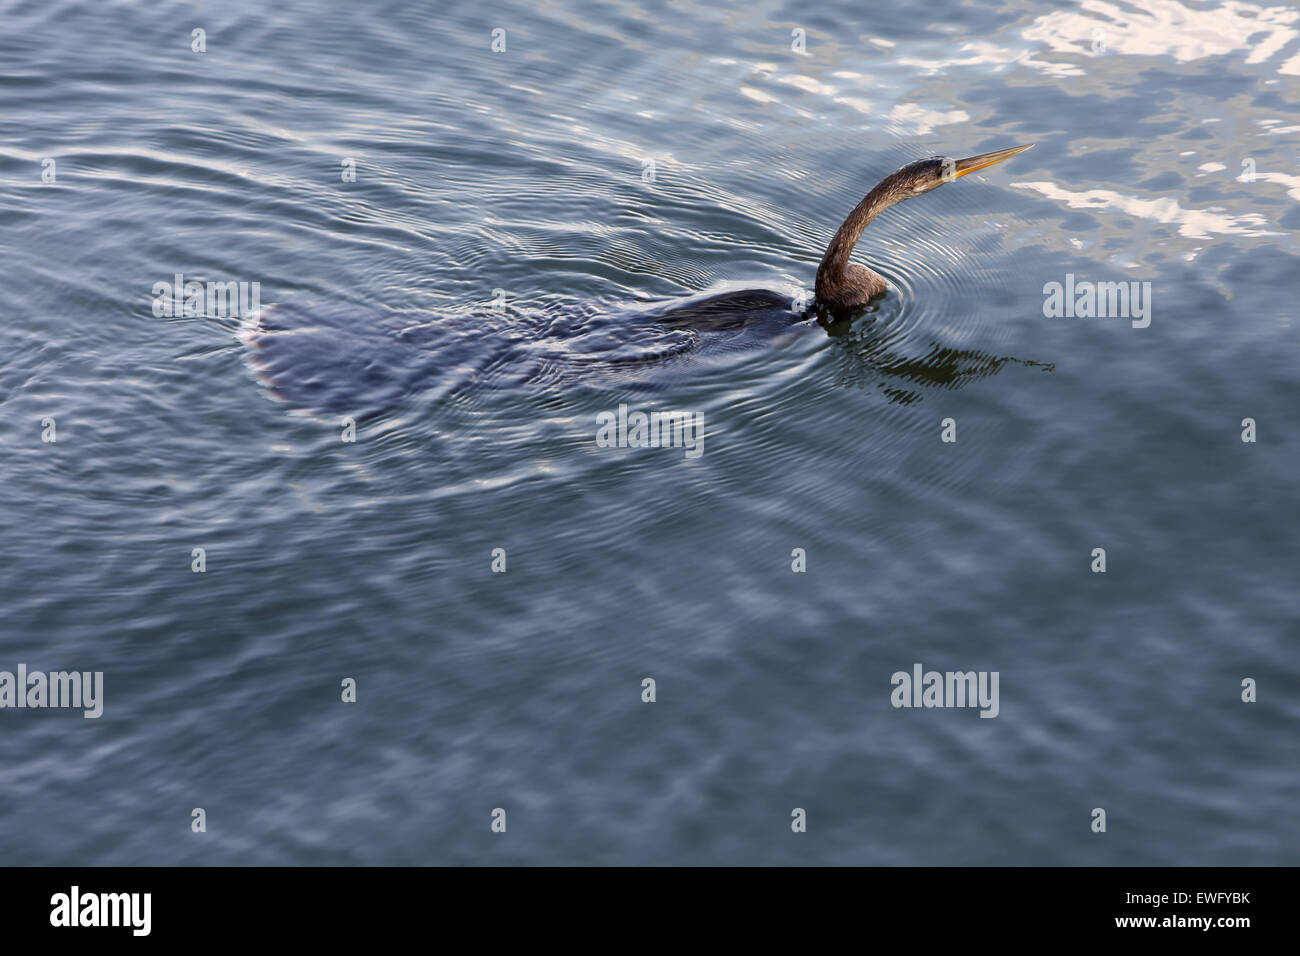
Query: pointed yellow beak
{"points": [[984, 160]]}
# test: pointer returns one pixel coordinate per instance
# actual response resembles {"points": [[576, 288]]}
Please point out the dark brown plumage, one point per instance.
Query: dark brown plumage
{"points": [[843, 285]]}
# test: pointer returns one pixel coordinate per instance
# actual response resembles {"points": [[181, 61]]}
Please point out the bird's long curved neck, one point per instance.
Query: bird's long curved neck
{"points": [[836, 260]]}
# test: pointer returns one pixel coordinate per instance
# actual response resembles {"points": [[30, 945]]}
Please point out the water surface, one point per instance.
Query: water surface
{"points": [[507, 198]]}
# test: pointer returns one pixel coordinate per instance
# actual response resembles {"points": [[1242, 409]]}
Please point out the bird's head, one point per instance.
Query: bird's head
{"points": [[922, 176]]}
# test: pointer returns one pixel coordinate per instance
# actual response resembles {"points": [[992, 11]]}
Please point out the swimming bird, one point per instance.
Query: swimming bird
{"points": [[341, 358], [843, 285]]}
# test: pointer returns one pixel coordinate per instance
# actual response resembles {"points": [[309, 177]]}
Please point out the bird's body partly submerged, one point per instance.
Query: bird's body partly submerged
{"points": [[343, 358], [348, 359]]}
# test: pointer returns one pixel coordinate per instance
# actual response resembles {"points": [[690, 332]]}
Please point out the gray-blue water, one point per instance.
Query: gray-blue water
{"points": [[522, 206]]}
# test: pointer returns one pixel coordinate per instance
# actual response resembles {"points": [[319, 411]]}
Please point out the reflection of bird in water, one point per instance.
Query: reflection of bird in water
{"points": [[901, 377], [341, 358]]}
